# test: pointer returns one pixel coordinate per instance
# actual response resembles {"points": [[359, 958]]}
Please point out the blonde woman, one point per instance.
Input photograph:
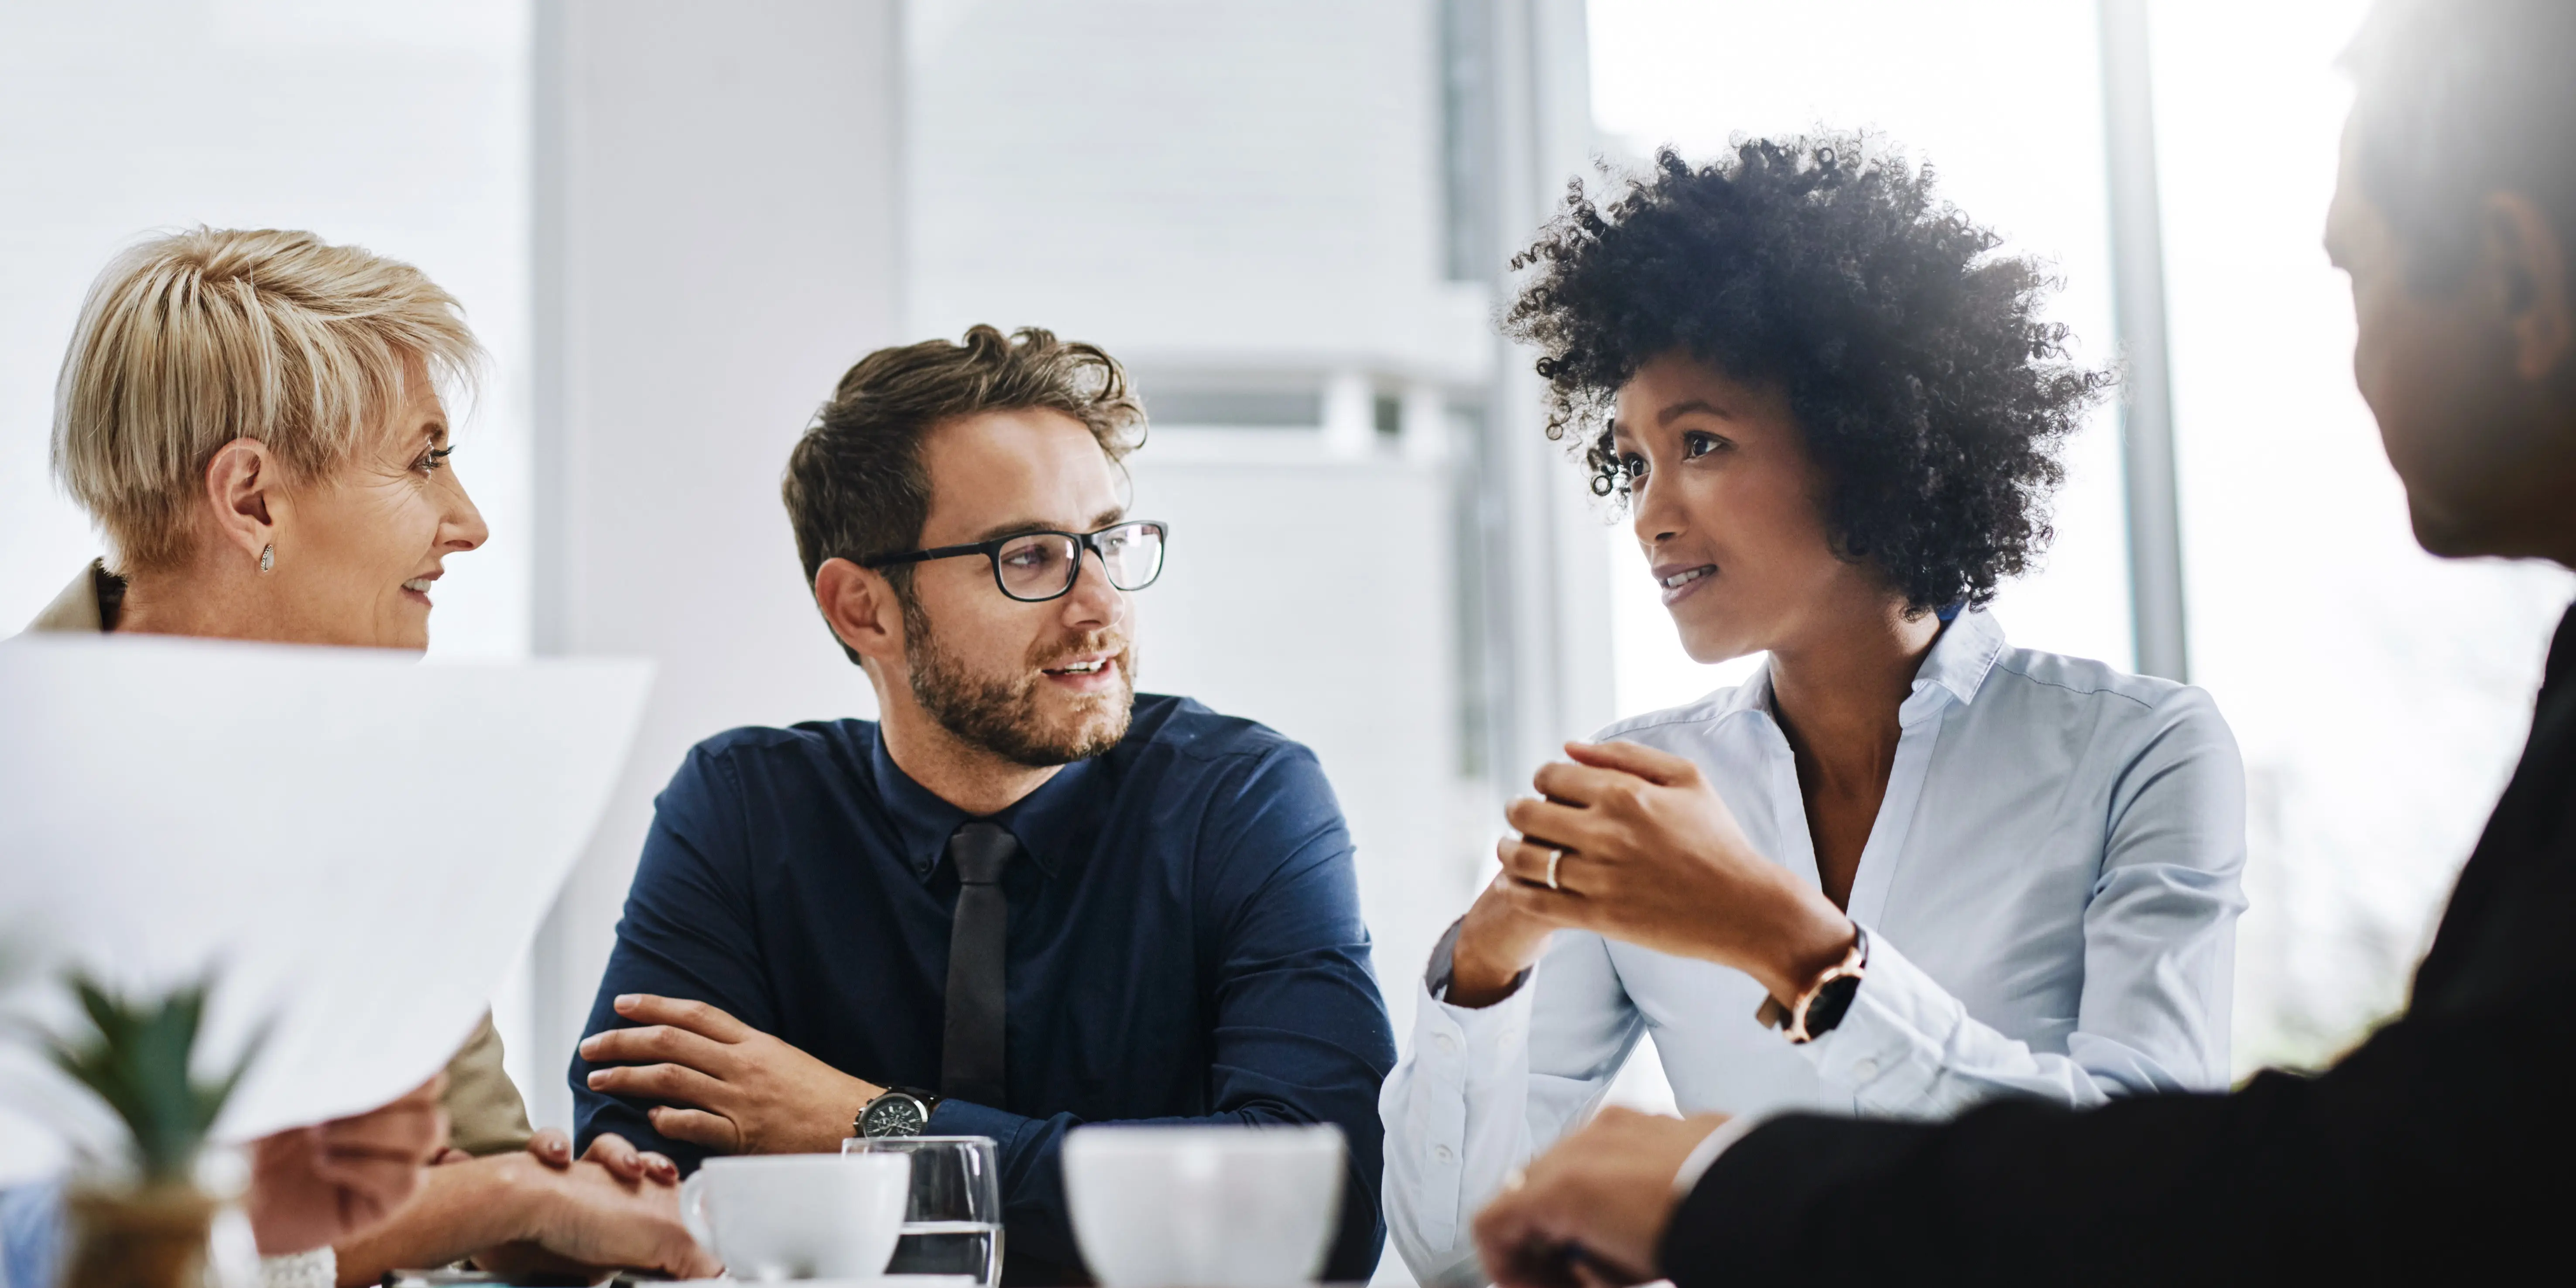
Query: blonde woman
{"points": [[253, 419]]}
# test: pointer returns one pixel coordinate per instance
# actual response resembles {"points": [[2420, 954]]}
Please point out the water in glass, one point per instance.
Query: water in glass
{"points": [[953, 1224]]}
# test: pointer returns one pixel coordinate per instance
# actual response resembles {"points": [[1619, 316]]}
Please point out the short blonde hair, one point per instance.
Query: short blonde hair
{"points": [[190, 341]]}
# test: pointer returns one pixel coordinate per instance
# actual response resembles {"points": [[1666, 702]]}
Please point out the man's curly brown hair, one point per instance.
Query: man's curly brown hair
{"points": [[1928, 390]]}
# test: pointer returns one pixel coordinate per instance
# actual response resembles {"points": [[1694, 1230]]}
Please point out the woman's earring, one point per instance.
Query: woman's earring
{"points": [[268, 558]]}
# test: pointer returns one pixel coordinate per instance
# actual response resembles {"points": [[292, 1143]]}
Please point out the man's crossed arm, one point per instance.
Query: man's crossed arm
{"points": [[722, 1084]]}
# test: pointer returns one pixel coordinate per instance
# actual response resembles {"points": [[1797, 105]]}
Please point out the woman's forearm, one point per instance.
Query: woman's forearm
{"points": [[1791, 937], [1487, 959], [462, 1209]]}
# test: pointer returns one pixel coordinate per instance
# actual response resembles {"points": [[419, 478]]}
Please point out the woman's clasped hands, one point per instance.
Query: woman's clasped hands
{"points": [[1633, 844]]}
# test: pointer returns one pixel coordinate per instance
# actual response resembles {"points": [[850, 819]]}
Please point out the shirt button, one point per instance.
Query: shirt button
{"points": [[1865, 1070], [1447, 1044], [1442, 1153]]}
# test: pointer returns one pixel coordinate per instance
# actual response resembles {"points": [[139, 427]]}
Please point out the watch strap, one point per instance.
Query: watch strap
{"points": [[929, 1099], [1820, 1007]]}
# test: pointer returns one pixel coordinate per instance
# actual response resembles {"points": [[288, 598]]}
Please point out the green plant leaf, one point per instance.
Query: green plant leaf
{"points": [[136, 1059]]}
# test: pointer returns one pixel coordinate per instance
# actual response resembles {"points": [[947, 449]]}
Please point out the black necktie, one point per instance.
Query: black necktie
{"points": [[970, 1057]]}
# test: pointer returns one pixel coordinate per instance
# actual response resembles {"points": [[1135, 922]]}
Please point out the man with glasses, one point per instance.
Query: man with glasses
{"points": [[1026, 897]]}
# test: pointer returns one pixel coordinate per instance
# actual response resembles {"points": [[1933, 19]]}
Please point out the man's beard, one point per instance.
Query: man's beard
{"points": [[1002, 717]]}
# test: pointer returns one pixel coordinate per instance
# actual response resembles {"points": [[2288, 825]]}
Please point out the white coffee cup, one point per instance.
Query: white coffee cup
{"points": [[799, 1216], [1207, 1207]]}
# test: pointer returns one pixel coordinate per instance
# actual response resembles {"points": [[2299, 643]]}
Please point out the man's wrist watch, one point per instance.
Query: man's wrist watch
{"points": [[1815, 1012], [897, 1111]]}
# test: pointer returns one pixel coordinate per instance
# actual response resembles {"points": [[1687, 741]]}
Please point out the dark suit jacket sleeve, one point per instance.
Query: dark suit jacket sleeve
{"points": [[686, 933], [1300, 1032], [2417, 1159]]}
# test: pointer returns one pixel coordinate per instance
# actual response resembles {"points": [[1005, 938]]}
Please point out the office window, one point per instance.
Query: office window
{"points": [[1467, 142]]}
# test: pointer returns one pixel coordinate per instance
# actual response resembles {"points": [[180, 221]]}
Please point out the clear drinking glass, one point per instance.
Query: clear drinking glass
{"points": [[953, 1225]]}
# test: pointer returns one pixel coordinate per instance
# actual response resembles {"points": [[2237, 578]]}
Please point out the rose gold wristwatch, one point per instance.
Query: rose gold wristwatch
{"points": [[1816, 1011]]}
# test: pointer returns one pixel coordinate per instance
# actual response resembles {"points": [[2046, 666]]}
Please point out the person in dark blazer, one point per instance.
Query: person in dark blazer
{"points": [[2435, 1151]]}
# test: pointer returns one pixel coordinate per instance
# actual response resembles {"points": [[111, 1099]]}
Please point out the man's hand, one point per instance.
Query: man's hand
{"points": [[317, 1185], [1653, 857], [585, 1217], [723, 1084], [1591, 1212]]}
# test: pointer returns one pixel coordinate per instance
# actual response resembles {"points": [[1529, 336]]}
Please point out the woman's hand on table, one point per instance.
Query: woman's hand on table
{"points": [[538, 1210], [584, 1216], [1652, 856], [552, 1146]]}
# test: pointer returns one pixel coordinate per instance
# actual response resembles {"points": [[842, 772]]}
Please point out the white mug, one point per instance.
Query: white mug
{"points": [[1208, 1207], [799, 1216]]}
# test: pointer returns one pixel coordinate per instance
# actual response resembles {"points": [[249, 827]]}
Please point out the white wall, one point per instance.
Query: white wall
{"points": [[716, 244], [1254, 180]]}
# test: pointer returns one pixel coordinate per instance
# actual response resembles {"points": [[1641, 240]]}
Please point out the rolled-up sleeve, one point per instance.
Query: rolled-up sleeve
{"points": [[1481, 1089], [2158, 955]]}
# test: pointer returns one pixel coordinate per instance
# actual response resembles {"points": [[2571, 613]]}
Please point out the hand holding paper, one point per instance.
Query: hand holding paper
{"points": [[311, 1186]]}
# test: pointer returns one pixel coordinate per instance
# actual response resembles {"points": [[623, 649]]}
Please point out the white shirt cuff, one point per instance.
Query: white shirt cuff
{"points": [[1889, 1049], [319, 1268], [1710, 1147]]}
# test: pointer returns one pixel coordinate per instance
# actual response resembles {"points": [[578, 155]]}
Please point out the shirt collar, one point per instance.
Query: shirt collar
{"points": [[1752, 695], [924, 822], [1957, 665], [1961, 658], [88, 605]]}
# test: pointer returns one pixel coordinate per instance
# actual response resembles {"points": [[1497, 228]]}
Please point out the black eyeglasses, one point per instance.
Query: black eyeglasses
{"points": [[1034, 567]]}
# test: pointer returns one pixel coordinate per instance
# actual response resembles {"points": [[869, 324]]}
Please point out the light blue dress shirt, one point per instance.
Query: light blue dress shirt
{"points": [[2050, 891]]}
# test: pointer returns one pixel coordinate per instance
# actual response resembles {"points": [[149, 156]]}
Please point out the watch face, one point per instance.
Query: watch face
{"points": [[895, 1115], [1832, 1003]]}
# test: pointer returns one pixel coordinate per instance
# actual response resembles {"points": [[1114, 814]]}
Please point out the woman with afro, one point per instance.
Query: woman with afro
{"points": [[1906, 866]]}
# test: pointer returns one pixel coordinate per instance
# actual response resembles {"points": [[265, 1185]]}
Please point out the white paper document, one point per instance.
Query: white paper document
{"points": [[359, 844]]}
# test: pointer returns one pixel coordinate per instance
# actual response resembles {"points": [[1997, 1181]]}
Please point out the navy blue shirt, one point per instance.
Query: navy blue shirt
{"points": [[1185, 944]]}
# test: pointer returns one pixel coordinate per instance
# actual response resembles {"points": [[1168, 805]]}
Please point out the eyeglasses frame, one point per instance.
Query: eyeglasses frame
{"points": [[992, 551]]}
